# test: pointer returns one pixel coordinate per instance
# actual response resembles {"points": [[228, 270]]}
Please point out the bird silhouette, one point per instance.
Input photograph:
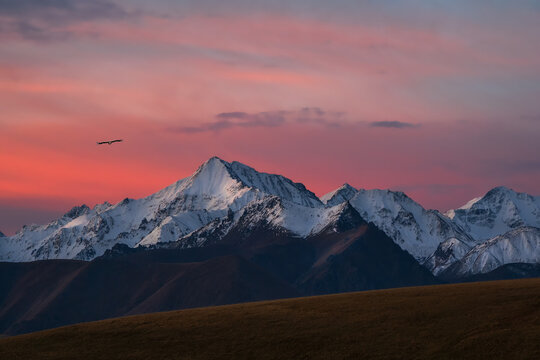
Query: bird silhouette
{"points": [[109, 142]]}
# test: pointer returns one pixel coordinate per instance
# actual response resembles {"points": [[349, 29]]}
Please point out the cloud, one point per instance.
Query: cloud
{"points": [[239, 119], [393, 124], [75, 9], [40, 20], [232, 115]]}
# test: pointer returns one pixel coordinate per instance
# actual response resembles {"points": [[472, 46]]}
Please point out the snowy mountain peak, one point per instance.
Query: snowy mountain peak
{"points": [[498, 211], [346, 187], [221, 179], [212, 165], [101, 207], [470, 203], [344, 193], [213, 177], [77, 211], [499, 190], [451, 213], [342, 218], [215, 159], [503, 193]]}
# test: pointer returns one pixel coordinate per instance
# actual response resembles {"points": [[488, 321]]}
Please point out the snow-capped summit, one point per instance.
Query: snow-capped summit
{"points": [[341, 218], [344, 193], [225, 182], [413, 228], [451, 213], [500, 210], [212, 178], [213, 186]]}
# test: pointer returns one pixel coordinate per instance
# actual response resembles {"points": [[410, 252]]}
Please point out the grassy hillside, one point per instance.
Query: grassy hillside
{"points": [[474, 320]]}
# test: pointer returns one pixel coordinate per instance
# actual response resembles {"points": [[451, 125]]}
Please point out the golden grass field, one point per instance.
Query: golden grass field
{"points": [[489, 320]]}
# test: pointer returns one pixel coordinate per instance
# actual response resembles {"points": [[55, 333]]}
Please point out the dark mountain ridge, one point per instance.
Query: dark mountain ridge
{"points": [[351, 255]]}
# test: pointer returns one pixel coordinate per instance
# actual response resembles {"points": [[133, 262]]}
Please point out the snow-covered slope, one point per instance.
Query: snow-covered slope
{"points": [[502, 212], [521, 245], [496, 213], [38, 241], [439, 241], [273, 184], [413, 228], [344, 193], [213, 192], [448, 252]]}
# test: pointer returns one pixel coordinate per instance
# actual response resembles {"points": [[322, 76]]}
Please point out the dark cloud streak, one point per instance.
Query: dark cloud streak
{"points": [[74, 9], [393, 124], [232, 115], [238, 119]]}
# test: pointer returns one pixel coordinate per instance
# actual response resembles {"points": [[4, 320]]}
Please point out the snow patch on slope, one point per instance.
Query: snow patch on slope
{"points": [[520, 245]]}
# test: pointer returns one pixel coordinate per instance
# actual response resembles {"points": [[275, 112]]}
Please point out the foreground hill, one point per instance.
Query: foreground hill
{"points": [[42, 295], [474, 321]]}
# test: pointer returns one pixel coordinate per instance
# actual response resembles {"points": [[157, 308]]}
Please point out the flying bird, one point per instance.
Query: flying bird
{"points": [[109, 142]]}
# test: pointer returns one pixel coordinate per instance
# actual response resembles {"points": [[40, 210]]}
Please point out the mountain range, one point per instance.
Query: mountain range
{"points": [[229, 233], [499, 228]]}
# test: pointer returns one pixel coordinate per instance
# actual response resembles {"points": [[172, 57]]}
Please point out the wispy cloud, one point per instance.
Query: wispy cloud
{"points": [[238, 119], [41, 20], [393, 124]]}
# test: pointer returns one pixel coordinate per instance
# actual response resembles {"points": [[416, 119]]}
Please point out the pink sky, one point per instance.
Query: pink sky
{"points": [[443, 104]]}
